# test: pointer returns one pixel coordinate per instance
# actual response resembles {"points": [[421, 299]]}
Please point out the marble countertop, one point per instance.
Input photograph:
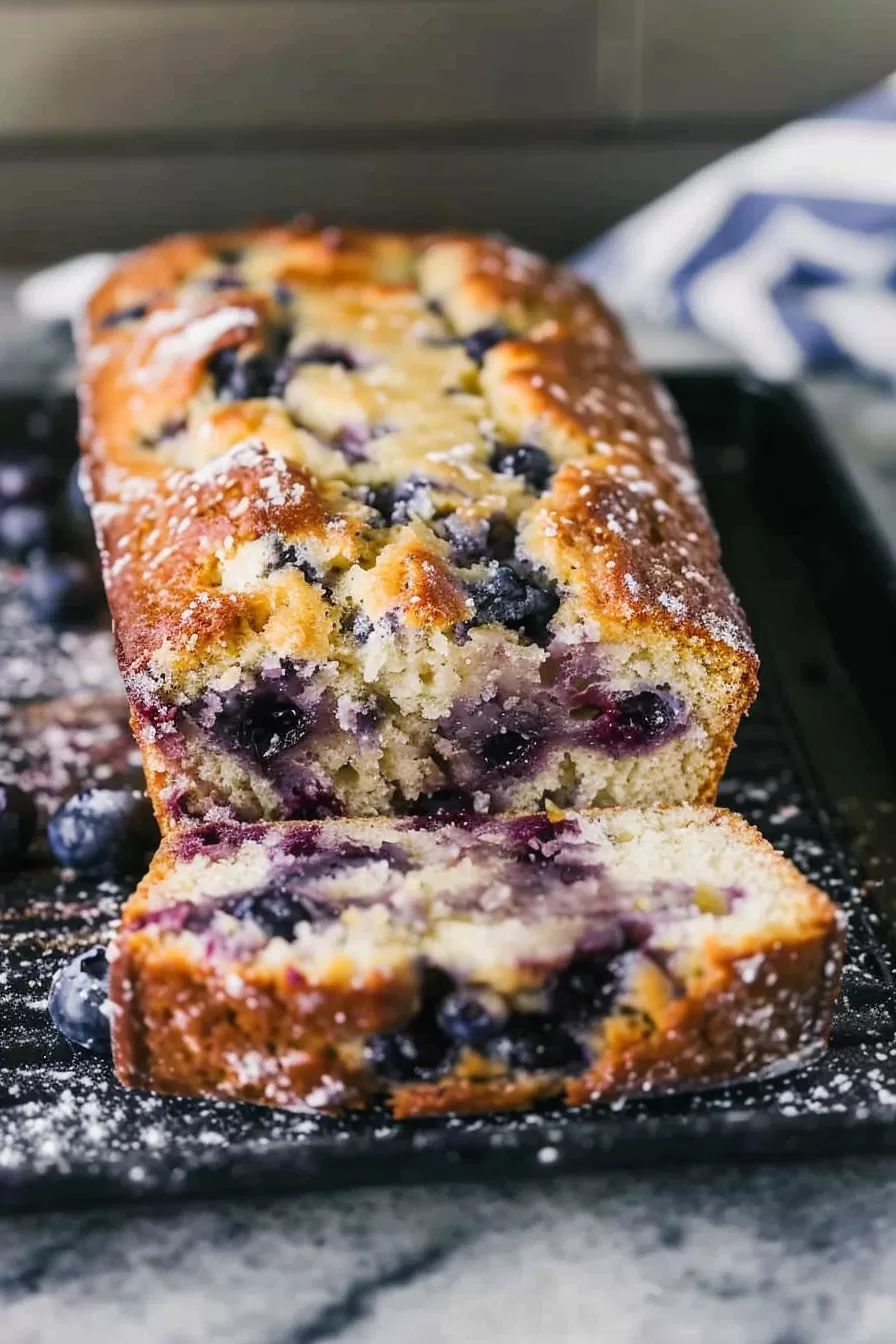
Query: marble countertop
{"points": [[797, 1254], [775, 1254]]}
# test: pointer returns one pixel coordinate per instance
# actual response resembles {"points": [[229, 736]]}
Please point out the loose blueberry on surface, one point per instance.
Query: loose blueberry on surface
{"points": [[270, 725], [65, 591], [472, 1018], [18, 822], [419, 1052], [28, 480], [122, 315], [78, 997], [504, 597], [636, 721], [275, 911], [103, 832], [478, 343], [524, 460], [25, 529], [533, 1044]]}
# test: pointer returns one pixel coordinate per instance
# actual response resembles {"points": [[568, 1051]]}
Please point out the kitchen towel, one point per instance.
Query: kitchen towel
{"points": [[784, 251]]}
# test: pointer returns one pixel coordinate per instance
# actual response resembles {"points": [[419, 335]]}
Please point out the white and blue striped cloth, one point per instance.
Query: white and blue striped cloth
{"points": [[784, 251]]}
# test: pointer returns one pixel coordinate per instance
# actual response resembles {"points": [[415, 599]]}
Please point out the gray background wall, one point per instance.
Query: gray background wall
{"points": [[549, 119]]}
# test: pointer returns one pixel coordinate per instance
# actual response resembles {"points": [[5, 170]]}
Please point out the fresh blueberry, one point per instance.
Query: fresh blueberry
{"points": [[122, 315], [478, 343], [64, 591], [419, 1052], [524, 460], [28, 480], [78, 998], [25, 529], [275, 911], [505, 749], [103, 832], [531, 1044], [443, 803], [637, 721], [504, 597], [270, 725], [18, 822], [472, 1018]]}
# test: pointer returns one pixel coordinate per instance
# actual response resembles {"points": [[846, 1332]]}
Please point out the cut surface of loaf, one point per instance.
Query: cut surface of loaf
{"points": [[472, 964], [396, 524]]}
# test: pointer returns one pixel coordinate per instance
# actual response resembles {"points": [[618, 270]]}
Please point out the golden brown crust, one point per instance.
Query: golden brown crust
{"points": [[755, 1002]]}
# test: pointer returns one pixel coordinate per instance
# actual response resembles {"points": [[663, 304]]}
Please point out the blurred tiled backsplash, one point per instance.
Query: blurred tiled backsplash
{"points": [[547, 118]]}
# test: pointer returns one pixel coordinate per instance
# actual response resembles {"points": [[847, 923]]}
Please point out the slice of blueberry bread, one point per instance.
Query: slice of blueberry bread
{"points": [[470, 964], [396, 524]]}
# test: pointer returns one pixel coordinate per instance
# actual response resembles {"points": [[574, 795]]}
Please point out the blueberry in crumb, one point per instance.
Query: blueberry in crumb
{"points": [[585, 989], [275, 911], [524, 460], [28, 479], [505, 597], [418, 1052], [443, 803], [472, 1018], [103, 832], [271, 725], [64, 591], [326, 352], [534, 1044], [506, 748], [478, 343], [25, 529], [78, 998], [18, 822], [122, 315]]}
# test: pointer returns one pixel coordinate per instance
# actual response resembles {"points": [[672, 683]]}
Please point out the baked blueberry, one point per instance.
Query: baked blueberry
{"points": [[63, 591], [524, 460], [122, 315], [103, 832], [506, 748], [230, 256], [275, 911], [533, 1044], [505, 597], [400, 503], [419, 1052], [443, 803], [271, 724], [472, 1018], [326, 352], [77, 1003], [474, 541], [18, 822], [25, 529], [478, 343], [584, 989], [28, 479], [637, 721]]}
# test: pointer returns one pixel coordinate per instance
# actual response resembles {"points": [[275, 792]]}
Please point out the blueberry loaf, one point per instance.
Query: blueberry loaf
{"points": [[397, 525], [469, 964]]}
